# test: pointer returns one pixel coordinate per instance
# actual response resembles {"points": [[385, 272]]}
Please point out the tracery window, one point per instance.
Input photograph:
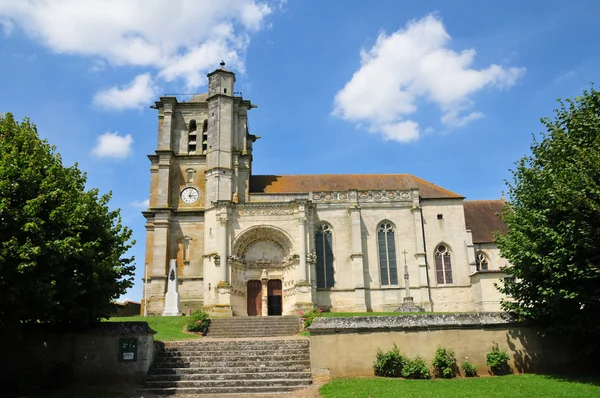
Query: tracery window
{"points": [[443, 265], [324, 251], [387, 254], [481, 261]]}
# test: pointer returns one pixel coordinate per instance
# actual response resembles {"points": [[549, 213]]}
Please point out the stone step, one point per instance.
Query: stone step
{"points": [[240, 353], [234, 344], [232, 358], [242, 335], [251, 326], [227, 383], [231, 364], [230, 376], [295, 368], [222, 390]]}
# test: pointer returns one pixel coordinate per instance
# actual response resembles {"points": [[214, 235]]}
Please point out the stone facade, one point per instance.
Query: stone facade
{"points": [[262, 245]]}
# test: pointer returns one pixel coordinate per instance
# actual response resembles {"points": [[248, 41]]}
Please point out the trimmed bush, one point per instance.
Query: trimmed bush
{"points": [[198, 322], [389, 364], [497, 360], [469, 369], [444, 363], [309, 316], [416, 368]]}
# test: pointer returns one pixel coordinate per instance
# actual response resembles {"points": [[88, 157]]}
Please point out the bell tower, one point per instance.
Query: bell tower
{"points": [[219, 160]]}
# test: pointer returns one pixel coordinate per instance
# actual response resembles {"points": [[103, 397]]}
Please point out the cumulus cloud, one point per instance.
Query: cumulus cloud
{"points": [[178, 40], [113, 145], [411, 65], [141, 204], [138, 93]]}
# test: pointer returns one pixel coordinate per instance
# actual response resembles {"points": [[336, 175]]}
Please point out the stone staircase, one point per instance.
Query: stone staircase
{"points": [[254, 326], [235, 366]]}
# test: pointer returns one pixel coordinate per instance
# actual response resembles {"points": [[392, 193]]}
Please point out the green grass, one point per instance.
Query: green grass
{"points": [[505, 386], [168, 328]]}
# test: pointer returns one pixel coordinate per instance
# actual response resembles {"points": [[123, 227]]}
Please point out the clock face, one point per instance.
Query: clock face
{"points": [[189, 195]]}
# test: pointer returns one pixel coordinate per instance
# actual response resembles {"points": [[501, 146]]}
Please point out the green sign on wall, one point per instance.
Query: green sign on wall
{"points": [[128, 350]]}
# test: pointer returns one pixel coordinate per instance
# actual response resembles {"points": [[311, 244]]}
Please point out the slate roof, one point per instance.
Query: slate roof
{"points": [[482, 218], [344, 182]]}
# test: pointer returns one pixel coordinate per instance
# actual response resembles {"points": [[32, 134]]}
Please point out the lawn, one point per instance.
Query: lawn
{"points": [[168, 328], [505, 386]]}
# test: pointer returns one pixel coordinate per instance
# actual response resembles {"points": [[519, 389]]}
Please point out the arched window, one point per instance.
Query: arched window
{"points": [[387, 254], [443, 265], [205, 137], [481, 261], [324, 251]]}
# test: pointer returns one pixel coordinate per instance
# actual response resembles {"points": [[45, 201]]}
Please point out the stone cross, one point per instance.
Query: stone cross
{"points": [[406, 284]]}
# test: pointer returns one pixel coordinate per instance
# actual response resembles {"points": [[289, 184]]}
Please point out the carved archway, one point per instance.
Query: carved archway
{"points": [[263, 242]]}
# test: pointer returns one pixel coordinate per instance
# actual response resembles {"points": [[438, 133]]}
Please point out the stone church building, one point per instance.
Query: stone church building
{"points": [[224, 240]]}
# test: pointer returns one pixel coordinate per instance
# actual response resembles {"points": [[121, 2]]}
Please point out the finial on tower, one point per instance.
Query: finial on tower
{"points": [[222, 64]]}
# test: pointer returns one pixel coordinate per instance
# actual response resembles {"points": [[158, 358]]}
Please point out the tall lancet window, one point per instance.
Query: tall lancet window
{"points": [[324, 251], [443, 265], [192, 136], [387, 254]]}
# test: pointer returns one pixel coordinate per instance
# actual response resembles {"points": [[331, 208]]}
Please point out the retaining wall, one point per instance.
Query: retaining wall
{"points": [[342, 347]]}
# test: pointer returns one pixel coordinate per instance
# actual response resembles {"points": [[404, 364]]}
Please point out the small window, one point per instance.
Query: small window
{"points": [[440, 216], [443, 265], [481, 261], [324, 251]]}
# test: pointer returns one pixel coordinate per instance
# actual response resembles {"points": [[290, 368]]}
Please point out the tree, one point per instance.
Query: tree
{"points": [[553, 219], [61, 247]]}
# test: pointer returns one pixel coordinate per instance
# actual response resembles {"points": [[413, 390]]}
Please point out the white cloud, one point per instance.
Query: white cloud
{"points": [[143, 204], [179, 40], [412, 65], [112, 145], [137, 94]]}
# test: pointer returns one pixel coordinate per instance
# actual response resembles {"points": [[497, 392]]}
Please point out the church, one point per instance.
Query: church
{"points": [[221, 239]]}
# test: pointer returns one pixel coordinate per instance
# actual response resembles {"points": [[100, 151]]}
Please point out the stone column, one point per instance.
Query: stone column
{"points": [[420, 250], [357, 259], [223, 306], [223, 274], [302, 274]]}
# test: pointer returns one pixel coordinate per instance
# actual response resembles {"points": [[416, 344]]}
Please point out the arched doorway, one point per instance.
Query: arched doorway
{"points": [[254, 298], [274, 296]]}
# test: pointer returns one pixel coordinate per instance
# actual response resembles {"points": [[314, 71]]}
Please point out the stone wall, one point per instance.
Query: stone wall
{"points": [[345, 347], [44, 356]]}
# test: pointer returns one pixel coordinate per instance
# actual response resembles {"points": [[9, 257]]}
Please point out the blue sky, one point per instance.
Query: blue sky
{"points": [[450, 91]]}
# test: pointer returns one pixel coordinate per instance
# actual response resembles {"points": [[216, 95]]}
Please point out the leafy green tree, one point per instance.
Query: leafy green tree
{"points": [[553, 218], [61, 247]]}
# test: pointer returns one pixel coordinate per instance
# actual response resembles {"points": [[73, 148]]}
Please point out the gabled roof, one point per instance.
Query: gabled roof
{"points": [[344, 182], [482, 217]]}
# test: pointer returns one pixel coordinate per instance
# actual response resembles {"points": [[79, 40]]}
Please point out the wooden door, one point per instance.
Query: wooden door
{"points": [[274, 297], [254, 298]]}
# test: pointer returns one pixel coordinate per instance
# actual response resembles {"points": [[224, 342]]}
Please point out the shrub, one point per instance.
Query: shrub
{"points": [[469, 369], [497, 360], [198, 322], [444, 363], [309, 316], [389, 364], [416, 368]]}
